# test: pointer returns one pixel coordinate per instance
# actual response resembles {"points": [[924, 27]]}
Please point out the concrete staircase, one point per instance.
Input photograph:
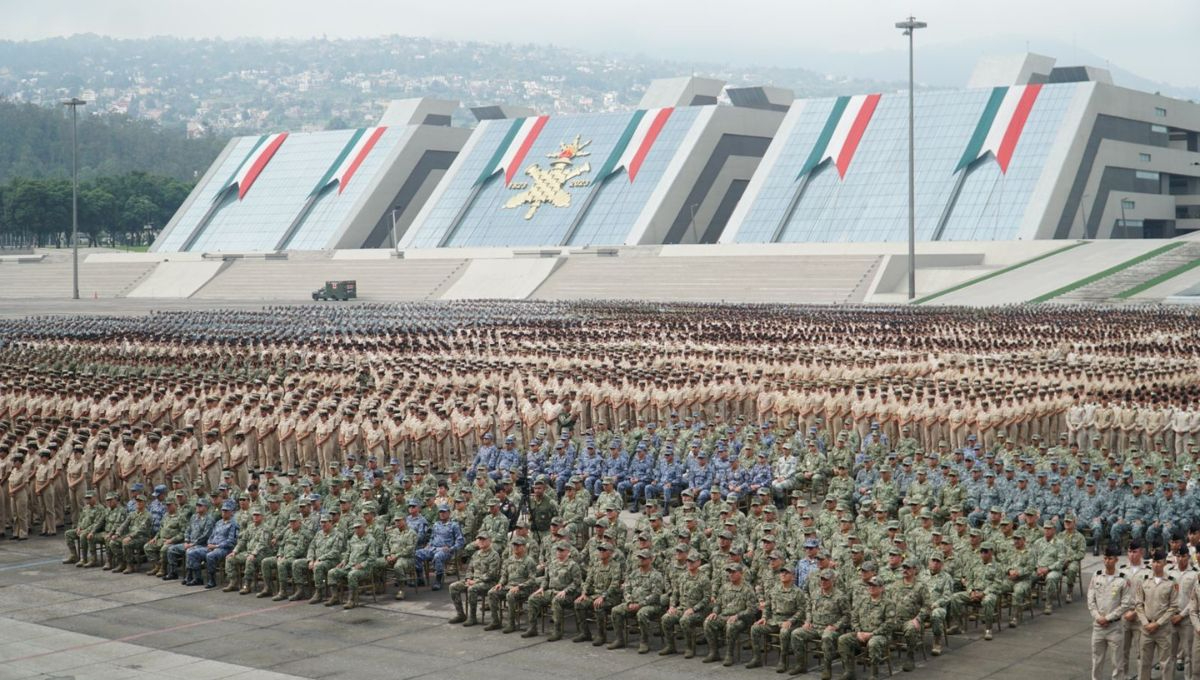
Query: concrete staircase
{"points": [[51, 277], [294, 279], [749, 278], [1107, 287]]}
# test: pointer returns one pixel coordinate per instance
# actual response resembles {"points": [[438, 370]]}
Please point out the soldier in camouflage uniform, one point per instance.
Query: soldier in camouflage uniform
{"points": [[170, 531], [482, 572], [518, 575], [131, 536], [399, 548], [558, 589], [911, 600], [828, 614], [76, 546], [871, 621], [939, 584], [688, 606], [291, 546], [601, 592], [783, 608], [641, 596], [241, 564], [354, 566], [324, 552], [733, 611], [984, 582]]}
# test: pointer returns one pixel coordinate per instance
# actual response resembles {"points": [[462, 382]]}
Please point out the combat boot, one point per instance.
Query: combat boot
{"points": [[601, 630], [298, 594], [874, 671], [987, 633], [826, 668], [248, 585], [781, 666], [643, 638], [459, 614], [281, 593], [669, 648], [757, 660], [130, 568], [335, 596], [510, 624], [72, 557], [532, 629], [494, 624], [714, 655], [318, 594], [689, 645], [620, 637], [90, 563], [800, 665], [353, 601], [585, 631], [558, 630], [472, 613], [399, 594], [266, 590], [83, 558], [235, 582], [936, 650], [728, 660], [910, 661]]}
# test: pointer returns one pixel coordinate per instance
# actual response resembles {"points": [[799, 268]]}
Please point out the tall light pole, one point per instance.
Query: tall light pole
{"points": [[1124, 223], [909, 26], [74, 103]]}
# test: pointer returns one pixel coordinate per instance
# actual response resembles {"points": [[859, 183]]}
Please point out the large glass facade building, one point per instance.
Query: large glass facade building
{"points": [[319, 190], [668, 172]]}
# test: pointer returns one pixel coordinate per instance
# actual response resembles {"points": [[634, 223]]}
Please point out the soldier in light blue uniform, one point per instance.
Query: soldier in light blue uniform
{"points": [[616, 464], [199, 527], [1093, 513], [809, 564], [445, 540], [157, 507], [700, 479], [638, 475], [222, 540], [417, 521], [536, 461], [559, 467], [590, 466], [485, 456], [507, 459], [668, 479]]}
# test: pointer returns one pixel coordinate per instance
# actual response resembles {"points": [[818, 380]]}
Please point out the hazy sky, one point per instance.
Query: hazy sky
{"points": [[1153, 38]]}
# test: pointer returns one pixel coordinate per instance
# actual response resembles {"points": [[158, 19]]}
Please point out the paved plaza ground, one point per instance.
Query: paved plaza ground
{"points": [[61, 622]]}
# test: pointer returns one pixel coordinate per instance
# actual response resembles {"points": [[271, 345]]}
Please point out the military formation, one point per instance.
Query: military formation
{"points": [[833, 485]]}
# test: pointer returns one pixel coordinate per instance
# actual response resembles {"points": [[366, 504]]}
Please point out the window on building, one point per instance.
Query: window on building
{"points": [[1147, 175], [1160, 129], [1144, 157], [1160, 112], [1128, 204]]}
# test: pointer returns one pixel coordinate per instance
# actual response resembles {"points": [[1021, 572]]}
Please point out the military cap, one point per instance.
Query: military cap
{"points": [[229, 505], [603, 522], [987, 545]]}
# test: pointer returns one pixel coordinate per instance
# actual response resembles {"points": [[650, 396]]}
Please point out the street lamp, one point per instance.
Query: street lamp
{"points": [[909, 26], [74, 103], [1124, 223]]}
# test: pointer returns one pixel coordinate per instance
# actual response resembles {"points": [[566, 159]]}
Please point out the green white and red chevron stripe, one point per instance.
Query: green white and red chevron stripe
{"points": [[513, 149], [252, 165], [842, 132], [636, 141], [999, 128], [350, 157]]}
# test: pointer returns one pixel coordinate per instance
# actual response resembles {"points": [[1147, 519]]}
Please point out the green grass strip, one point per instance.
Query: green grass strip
{"points": [[1166, 276], [998, 272], [1106, 273]]}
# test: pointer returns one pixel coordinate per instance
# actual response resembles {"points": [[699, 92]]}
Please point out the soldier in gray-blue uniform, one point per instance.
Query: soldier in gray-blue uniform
{"points": [[199, 527], [445, 540], [222, 539]]}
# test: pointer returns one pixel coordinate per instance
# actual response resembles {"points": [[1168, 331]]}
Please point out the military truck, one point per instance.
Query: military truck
{"points": [[336, 290]]}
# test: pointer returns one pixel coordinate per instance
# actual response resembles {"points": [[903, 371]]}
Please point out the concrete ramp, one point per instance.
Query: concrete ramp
{"points": [[504, 279], [176, 279]]}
